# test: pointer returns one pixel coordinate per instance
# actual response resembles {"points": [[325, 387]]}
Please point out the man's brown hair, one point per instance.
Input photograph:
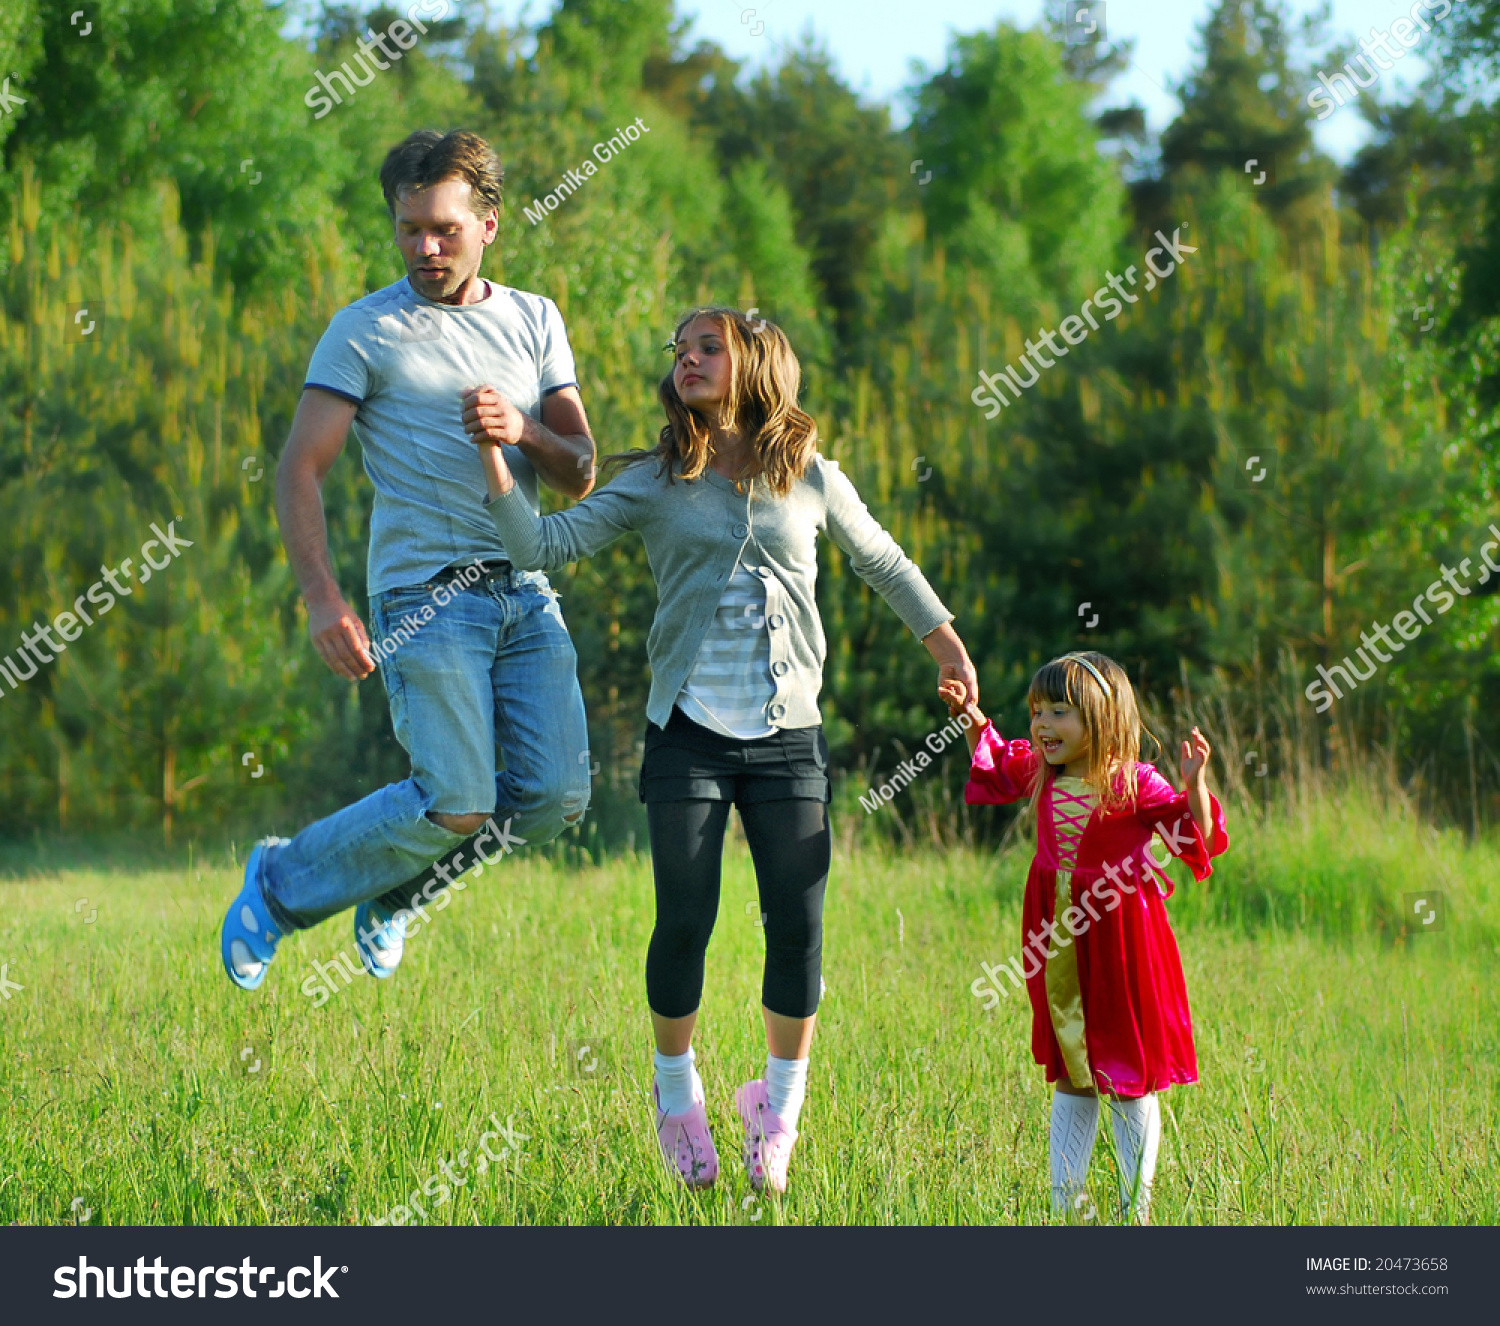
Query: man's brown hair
{"points": [[427, 157]]}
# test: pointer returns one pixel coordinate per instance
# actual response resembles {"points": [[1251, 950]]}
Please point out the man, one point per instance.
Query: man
{"points": [[473, 653]]}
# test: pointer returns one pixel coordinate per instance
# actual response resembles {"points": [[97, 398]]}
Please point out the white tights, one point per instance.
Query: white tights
{"points": [[1136, 1125]]}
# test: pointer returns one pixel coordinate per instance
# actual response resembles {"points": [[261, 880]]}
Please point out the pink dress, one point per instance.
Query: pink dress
{"points": [[1100, 964]]}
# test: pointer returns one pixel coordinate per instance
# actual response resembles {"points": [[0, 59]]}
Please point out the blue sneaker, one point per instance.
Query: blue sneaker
{"points": [[249, 938], [379, 938]]}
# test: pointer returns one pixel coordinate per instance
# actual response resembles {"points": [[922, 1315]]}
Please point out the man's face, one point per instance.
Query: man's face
{"points": [[441, 239]]}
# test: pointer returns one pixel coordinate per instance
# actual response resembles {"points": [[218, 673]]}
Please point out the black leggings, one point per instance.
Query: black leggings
{"points": [[791, 847]]}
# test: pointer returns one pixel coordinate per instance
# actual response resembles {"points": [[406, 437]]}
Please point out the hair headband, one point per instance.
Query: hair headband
{"points": [[1097, 675]]}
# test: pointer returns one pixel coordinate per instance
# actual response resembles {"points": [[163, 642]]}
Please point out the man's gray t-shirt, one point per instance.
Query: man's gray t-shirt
{"points": [[405, 361]]}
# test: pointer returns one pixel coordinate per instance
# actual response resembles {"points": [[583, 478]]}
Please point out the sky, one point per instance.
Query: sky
{"points": [[875, 41]]}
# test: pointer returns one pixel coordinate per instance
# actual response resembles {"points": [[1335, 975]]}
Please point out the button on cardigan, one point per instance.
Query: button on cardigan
{"points": [[695, 533]]}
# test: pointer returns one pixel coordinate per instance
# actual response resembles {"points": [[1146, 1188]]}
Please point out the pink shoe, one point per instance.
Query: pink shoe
{"points": [[686, 1143], [768, 1141]]}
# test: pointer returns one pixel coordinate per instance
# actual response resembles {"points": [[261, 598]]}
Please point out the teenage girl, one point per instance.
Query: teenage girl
{"points": [[1109, 1008], [729, 504]]}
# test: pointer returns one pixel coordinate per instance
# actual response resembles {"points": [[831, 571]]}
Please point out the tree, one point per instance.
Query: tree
{"points": [[1246, 102], [835, 156], [1018, 191]]}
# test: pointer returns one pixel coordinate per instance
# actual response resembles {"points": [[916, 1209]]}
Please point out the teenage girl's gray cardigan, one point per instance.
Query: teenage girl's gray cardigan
{"points": [[694, 533]]}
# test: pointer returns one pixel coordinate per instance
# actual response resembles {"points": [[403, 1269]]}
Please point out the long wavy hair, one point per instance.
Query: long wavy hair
{"points": [[1111, 720], [761, 405]]}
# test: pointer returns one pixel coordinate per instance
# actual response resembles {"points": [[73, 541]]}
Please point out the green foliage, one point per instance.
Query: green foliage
{"points": [[1247, 101], [835, 156], [1296, 331], [763, 225], [1019, 193], [159, 416]]}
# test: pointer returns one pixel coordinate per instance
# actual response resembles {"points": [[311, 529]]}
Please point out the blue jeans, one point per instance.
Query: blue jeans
{"points": [[492, 665]]}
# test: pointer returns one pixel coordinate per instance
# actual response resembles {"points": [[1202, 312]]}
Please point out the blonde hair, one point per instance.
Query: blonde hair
{"points": [[1111, 722], [761, 405]]}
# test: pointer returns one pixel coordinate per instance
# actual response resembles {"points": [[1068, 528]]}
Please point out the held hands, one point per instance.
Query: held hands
{"points": [[962, 698], [1195, 753], [490, 417], [956, 696], [955, 667], [489, 420]]}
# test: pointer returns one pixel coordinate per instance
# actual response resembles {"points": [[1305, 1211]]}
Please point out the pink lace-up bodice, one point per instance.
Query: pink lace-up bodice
{"points": [[1072, 804]]}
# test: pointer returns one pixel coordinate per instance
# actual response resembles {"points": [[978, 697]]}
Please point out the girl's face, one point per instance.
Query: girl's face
{"points": [[702, 371], [1058, 732]]}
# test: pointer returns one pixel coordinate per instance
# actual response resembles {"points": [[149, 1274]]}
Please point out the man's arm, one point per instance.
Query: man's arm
{"points": [[559, 446], [318, 432]]}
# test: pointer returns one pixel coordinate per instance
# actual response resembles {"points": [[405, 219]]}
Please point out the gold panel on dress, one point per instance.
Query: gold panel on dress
{"points": [[1072, 802]]}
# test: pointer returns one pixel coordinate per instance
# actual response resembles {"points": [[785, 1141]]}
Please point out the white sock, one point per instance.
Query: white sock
{"points": [[1137, 1129], [677, 1082], [1075, 1123], [786, 1087]]}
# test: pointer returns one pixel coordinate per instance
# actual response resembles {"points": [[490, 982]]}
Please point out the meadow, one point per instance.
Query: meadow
{"points": [[1348, 1067]]}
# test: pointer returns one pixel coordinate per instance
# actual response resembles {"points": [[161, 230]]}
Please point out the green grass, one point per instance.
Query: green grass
{"points": [[1348, 1075]]}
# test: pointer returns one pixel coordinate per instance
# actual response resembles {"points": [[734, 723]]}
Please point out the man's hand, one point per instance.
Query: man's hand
{"points": [[340, 638], [559, 445], [490, 417]]}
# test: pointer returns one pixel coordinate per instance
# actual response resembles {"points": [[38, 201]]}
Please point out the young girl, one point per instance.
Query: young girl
{"points": [[1109, 1009], [730, 504]]}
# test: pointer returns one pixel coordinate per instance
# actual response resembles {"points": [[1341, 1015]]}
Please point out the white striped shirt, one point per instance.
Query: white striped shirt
{"points": [[730, 684]]}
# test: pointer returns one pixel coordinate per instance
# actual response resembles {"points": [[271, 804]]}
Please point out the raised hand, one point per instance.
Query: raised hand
{"points": [[1195, 753]]}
